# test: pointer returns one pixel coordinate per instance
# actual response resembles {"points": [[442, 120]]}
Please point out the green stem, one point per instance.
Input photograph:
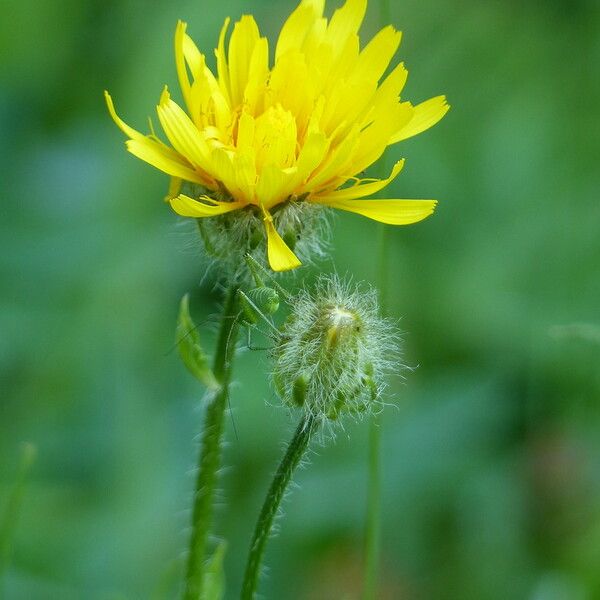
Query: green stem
{"points": [[373, 517], [209, 460], [373, 533], [307, 427]]}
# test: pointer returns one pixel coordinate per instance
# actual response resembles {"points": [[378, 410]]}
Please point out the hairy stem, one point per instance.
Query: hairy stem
{"points": [[295, 451], [209, 460]]}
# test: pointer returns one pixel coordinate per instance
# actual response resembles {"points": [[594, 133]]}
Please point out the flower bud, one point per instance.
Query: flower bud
{"points": [[333, 351]]}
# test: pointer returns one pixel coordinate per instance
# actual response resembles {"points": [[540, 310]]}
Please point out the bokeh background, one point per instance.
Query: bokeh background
{"points": [[492, 454]]}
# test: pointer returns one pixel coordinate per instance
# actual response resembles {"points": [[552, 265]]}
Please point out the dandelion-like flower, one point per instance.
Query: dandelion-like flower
{"points": [[259, 138], [334, 350]]}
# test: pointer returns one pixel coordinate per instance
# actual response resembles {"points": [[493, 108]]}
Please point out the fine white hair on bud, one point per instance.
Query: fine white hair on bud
{"points": [[334, 350], [229, 237]]}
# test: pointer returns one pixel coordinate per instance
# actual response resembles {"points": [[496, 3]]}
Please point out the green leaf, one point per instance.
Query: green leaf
{"points": [[188, 342], [214, 576]]}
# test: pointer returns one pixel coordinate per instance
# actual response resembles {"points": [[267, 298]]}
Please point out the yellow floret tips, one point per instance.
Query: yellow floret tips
{"points": [[258, 137]]}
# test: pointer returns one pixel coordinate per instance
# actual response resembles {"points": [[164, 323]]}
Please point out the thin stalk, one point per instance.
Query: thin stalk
{"points": [[373, 516], [209, 460], [373, 519], [295, 451]]}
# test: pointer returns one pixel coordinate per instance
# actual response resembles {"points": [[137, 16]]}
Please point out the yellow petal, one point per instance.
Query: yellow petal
{"points": [[317, 5], [392, 212], [159, 156], [128, 131], [222, 66], [375, 58], [426, 115], [182, 133], [236, 172], [390, 89], [273, 186], [188, 207], [245, 132], [316, 35], [193, 56], [275, 138], [394, 83], [345, 62], [335, 162], [346, 102], [182, 74], [174, 188], [187, 55], [223, 166], [291, 86], [361, 190], [258, 73], [281, 258], [208, 106], [312, 154], [155, 153], [346, 21], [375, 138], [244, 37], [245, 174], [297, 26]]}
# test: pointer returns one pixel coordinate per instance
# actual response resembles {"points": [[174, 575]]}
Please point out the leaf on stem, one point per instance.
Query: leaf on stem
{"points": [[190, 350], [214, 576]]}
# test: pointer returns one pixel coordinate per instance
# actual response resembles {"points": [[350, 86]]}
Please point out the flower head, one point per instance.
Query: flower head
{"points": [[333, 350], [259, 136]]}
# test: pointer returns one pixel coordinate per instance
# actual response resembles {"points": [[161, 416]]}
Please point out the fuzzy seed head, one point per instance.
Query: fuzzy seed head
{"points": [[334, 350]]}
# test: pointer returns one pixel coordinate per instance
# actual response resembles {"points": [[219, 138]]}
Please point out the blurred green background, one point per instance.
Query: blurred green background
{"points": [[492, 456]]}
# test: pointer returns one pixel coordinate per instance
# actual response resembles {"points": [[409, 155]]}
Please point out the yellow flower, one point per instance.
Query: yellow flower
{"points": [[303, 130]]}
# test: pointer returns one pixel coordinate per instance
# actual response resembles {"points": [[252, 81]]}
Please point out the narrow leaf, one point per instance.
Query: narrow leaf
{"points": [[214, 576], [190, 350]]}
